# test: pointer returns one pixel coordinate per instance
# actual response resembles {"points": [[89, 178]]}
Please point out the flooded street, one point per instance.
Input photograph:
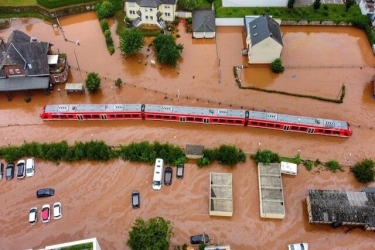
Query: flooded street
{"points": [[96, 196]]}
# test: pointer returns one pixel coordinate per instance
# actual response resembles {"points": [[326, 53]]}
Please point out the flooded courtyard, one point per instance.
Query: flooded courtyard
{"points": [[96, 196]]}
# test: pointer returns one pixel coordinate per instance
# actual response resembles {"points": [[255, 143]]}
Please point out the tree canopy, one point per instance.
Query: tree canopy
{"points": [[92, 82], [167, 50], [131, 41], [154, 234], [105, 9], [364, 171]]}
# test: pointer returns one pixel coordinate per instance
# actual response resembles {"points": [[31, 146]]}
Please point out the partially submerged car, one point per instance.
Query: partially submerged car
{"points": [[33, 215], [21, 171], [180, 171], [45, 192], [298, 246], [30, 167], [136, 199], [46, 213], [10, 171], [57, 211], [199, 239], [1, 170], [168, 173]]}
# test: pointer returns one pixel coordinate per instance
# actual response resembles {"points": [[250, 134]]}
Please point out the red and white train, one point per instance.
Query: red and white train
{"points": [[218, 116]]}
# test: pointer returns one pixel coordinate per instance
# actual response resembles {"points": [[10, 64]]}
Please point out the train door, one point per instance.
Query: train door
{"points": [[286, 127], [206, 120], [79, 117], [104, 117], [182, 119], [310, 131]]}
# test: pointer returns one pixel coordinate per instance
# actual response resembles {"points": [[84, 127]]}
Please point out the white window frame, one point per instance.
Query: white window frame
{"points": [[132, 12], [167, 14], [56, 78]]}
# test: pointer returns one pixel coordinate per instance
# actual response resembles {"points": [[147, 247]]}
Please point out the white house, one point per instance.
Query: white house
{"points": [[203, 24], [263, 39], [150, 12], [254, 3], [367, 6]]}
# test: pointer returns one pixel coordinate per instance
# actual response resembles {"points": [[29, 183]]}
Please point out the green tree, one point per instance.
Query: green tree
{"points": [[154, 234], [104, 25], [104, 9], [92, 82], [118, 82], [348, 4], [291, 4], [167, 50], [277, 66], [191, 5], [317, 4], [364, 171], [131, 41]]}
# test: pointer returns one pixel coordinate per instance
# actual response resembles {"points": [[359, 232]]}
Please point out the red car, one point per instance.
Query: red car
{"points": [[46, 213]]}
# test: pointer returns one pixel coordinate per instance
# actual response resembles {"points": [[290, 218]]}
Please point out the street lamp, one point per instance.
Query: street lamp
{"points": [[347, 160], [204, 235], [92, 135], [59, 90], [8, 141], [299, 153]]}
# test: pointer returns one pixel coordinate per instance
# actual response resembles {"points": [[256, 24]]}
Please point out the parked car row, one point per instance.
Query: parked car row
{"points": [[168, 173], [24, 168], [46, 213]]}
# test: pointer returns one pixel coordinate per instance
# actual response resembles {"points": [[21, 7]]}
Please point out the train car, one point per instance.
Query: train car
{"points": [[218, 116]]}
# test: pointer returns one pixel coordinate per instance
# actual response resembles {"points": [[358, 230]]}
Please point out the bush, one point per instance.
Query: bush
{"points": [[92, 82], [364, 171], [111, 49], [230, 155], [189, 20], [333, 166], [107, 33], [27, 99], [265, 156], [104, 25], [104, 9], [277, 66], [308, 165]]}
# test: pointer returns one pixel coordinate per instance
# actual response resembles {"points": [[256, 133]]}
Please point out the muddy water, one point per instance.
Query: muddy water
{"points": [[96, 196]]}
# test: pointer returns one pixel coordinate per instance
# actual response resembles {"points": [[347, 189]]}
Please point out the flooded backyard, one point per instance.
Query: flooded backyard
{"points": [[96, 196]]}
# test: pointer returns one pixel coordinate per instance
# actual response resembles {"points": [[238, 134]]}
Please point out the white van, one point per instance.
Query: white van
{"points": [[158, 174]]}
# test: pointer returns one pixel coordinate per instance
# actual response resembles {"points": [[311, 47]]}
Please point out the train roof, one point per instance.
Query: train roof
{"points": [[92, 107]]}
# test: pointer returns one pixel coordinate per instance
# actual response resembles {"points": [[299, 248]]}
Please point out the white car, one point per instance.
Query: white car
{"points": [[33, 215], [57, 211], [298, 246], [30, 167], [46, 213]]}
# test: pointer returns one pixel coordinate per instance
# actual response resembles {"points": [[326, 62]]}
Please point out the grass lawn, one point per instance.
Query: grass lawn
{"points": [[17, 2]]}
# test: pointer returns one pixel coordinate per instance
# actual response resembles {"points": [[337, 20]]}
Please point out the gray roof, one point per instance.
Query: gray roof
{"points": [[30, 56], [203, 21], [151, 3], [23, 83], [264, 27]]}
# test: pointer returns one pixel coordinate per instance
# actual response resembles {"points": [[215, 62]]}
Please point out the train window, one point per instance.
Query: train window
{"points": [[87, 116], [166, 117], [151, 116], [174, 117], [269, 125], [63, 116], [55, 117], [112, 116], [127, 115], [293, 128], [190, 119], [158, 116], [95, 116], [262, 124], [70, 116], [277, 126], [320, 130], [238, 122], [254, 123], [216, 120], [198, 119], [222, 120], [135, 115], [230, 121], [118, 115], [303, 129], [335, 132], [327, 131]]}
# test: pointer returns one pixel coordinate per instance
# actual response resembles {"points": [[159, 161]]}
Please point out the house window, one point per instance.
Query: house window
{"points": [[167, 14], [146, 9], [56, 78], [150, 10], [151, 17], [167, 6], [132, 12], [146, 17], [131, 4]]}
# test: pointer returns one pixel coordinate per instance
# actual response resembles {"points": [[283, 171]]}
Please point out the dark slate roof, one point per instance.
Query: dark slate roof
{"points": [[31, 56], [24, 83], [203, 21], [264, 27], [152, 3]]}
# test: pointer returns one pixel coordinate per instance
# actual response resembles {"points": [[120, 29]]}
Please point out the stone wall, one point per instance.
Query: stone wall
{"points": [[312, 23]]}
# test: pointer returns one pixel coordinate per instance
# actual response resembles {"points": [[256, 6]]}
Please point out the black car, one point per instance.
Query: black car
{"points": [[1, 170], [199, 239], [21, 169], [180, 171], [136, 199], [168, 173], [45, 192], [10, 171]]}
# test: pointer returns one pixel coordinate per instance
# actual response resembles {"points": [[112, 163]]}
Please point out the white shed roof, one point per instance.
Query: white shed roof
{"points": [[288, 168], [52, 59]]}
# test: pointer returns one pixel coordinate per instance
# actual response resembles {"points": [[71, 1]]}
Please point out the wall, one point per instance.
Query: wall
{"points": [[254, 3]]}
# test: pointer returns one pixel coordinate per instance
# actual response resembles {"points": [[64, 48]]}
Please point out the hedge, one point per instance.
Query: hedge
{"points": [[52, 4]]}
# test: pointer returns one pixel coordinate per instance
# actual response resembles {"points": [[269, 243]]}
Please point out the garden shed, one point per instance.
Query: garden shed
{"points": [[74, 87], [204, 24], [221, 200]]}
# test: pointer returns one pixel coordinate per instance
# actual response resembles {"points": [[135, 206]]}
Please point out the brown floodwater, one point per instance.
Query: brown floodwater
{"points": [[96, 196]]}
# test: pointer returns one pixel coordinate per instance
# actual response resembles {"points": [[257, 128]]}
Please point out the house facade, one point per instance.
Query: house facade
{"points": [[367, 6], [263, 39], [254, 3], [27, 64], [150, 12]]}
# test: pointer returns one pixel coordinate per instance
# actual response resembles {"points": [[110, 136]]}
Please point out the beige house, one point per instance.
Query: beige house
{"points": [[150, 12], [264, 41]]}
